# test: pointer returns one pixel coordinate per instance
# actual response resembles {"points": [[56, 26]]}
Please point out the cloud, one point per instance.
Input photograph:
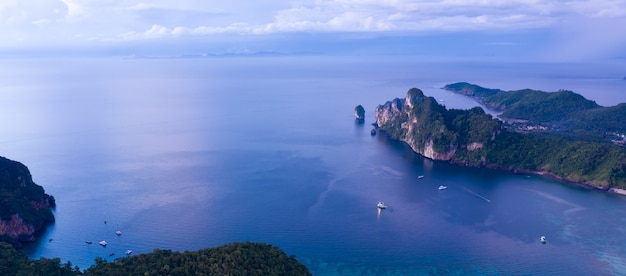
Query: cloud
{"points": [[396, 15], [68, 21], [599, 8], [74, 10]]}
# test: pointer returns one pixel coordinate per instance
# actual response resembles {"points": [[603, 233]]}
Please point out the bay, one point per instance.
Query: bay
{"points": [[185, 154]]}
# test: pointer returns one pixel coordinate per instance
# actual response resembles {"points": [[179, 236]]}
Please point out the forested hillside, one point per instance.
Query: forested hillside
{"points": [[474, 138], [231, 259], [563, 111]]}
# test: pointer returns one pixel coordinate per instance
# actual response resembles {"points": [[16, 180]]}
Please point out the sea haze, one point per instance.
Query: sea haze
{"points": [[185, 154]]}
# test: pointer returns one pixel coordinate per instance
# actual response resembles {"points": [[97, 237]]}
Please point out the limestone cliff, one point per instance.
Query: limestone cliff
{"points": [[24, 206], [473, 138], [434, 132]]}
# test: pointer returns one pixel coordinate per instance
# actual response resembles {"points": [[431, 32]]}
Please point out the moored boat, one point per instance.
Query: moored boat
{"points": [[442, 187], [543, 239], [103, 243]]}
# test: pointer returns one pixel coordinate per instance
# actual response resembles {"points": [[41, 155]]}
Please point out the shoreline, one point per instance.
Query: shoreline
{"points": [[617, 191], [524, 171]]}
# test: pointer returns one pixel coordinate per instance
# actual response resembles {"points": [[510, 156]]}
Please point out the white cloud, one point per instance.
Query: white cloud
{"points": [[599, 8], [42, 21], [74, 9], [108, 20]]}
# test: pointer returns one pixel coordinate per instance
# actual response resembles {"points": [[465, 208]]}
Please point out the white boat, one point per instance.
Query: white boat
{"points": [[442, 187], [420, 176], [128, 252], [381, 205], [543, 239], [103, 243], [118, 232]]}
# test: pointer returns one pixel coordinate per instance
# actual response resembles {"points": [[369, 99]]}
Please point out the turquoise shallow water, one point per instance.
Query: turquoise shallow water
{"points": [[185, 154]]}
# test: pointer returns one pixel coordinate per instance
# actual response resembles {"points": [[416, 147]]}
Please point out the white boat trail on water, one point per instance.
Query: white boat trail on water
{"points": [[475, 194]]}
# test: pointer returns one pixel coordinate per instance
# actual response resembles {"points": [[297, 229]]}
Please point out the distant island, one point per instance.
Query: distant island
{"points": [[25, 208], [562, 111], [238, 258], [540, 132]]}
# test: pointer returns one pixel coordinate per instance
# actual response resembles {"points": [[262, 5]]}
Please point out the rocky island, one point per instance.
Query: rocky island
{"points": [[359, 112], [24, 206], [474, 138]]}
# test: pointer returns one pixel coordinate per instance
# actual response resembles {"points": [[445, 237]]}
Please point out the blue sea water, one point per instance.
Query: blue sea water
{"points": [[185, 154]]}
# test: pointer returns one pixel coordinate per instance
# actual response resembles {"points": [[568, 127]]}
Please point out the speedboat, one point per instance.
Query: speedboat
{"points": [[103, 243], [128, 252], [543, 239], [420, 176], [442, 187], [381, 205]]}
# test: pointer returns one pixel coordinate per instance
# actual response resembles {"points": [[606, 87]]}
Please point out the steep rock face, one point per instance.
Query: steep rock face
{"points": [[24, 206], [396, 117], [17, 228], [474, 138], [434, 132]]}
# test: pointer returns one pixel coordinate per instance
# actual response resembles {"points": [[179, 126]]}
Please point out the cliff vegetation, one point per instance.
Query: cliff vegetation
{"points": [[24, 206], [474, 138], [231, 259]]}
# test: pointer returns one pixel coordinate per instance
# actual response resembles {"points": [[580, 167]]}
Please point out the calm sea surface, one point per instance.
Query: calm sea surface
{"points": [[185, 154]]}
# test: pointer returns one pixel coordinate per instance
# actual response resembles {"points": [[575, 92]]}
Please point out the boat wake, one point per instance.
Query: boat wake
{"points": [[475, 194], [574, 207]]}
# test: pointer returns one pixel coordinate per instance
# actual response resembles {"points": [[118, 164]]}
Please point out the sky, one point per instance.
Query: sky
{"points": [[541, 29]]}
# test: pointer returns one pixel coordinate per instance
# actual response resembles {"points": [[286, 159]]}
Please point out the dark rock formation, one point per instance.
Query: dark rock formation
{"points": [[24, 206], [434, 132], [359, 112]]}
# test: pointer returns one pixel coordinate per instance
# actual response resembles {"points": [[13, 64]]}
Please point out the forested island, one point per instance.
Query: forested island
{"points": [[552, 144], [24, 206], [231, 259], [563, 112]]}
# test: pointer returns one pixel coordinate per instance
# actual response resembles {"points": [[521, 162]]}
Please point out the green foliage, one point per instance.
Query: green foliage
{"points": [[598, 164], [598, 120], [472, 90], [232, 259], [20, 195], [564, 110], [477, 139], [539, 106], [13, 262]]}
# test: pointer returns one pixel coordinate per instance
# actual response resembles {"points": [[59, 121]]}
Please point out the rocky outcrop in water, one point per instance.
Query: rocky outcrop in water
{"points": [[359, 112], [24, 206]]}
